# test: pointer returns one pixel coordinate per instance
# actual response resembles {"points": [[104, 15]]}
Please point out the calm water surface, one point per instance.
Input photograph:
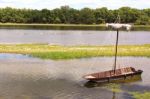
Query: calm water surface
{"points": [[72, 37], [24, 77]]}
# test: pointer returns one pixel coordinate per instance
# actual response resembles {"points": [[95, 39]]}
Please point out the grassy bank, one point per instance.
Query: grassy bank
{"points": [[45, 51], [33, 24], [54, 26], [68, 26]]}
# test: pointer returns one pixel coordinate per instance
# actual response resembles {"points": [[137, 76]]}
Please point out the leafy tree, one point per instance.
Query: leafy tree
{"points": [[57, 20], [146, 11], [87, 16], [68, 15], [101, 15], [143, 20], [128, 15]]}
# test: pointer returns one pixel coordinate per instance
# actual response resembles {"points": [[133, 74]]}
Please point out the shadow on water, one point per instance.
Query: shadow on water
{"points": [[116, 87], [46, 88], [127, 87]]}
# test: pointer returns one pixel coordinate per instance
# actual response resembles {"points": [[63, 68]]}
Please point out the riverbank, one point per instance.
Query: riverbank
{"points": [[37, 24], [45, 51], [68, 26]]}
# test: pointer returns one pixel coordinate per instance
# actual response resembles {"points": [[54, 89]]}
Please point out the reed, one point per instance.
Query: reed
{"points": [[138, 95], [46, 51]]}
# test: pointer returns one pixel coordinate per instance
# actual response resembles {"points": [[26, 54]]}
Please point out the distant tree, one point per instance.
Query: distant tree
{"points": [[111, 17], [143, 20], [57, 15], [73, 16], [67, 15], [87, 16], [146, 11], [101, 15], [128, 15], [57, 20]]}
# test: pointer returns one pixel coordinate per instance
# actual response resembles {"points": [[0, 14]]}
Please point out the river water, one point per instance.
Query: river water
{"points": [[25, 77], [72, 37]]}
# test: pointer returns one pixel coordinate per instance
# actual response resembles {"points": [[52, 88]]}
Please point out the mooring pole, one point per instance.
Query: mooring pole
{"points": [[116, 49]]}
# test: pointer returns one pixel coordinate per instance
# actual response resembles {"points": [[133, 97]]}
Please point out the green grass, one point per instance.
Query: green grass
{"points": [[69, 26], [34, 24], [63, 24], [46, 51], [137, 95], [113, 87]]}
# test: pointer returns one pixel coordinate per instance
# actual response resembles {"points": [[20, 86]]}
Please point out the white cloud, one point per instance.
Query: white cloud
{"points": [[51, 4]]}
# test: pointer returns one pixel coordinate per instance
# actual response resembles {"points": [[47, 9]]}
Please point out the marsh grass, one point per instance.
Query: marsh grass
{"points": [[113, 87], [138, 95], [69, 26], [46, 51]]}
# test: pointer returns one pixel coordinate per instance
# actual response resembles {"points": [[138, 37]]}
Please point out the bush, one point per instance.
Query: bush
{"points": [[143, 20]]}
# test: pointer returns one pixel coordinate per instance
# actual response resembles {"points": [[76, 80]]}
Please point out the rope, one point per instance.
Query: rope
{"points": [[116, 47], [95, 61]]}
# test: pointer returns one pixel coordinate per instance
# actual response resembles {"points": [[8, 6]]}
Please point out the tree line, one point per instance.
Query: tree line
{"points": [[67, 15]]}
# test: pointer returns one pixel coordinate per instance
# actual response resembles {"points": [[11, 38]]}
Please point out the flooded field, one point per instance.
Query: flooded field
{"points": [[24, 77], [72, 37]]}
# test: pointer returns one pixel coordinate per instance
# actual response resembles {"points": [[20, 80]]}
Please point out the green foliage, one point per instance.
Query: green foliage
{"points": [[128, 15], [87, 16], [101, 15], [67, 15], [147, 11], [143, 20]]}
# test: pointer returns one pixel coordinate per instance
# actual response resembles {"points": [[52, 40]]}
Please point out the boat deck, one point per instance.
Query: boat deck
{"points": [[111, 73]]}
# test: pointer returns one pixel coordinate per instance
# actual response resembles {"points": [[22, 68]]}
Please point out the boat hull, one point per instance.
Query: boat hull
{"points": [[122, 77], [128, 79]]}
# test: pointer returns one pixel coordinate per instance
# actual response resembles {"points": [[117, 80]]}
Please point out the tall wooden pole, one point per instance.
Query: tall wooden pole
{"points": [[116, 50]]}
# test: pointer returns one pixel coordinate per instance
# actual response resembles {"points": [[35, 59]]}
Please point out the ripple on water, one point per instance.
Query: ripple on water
{"points": [[26, 77], [72, 37]]}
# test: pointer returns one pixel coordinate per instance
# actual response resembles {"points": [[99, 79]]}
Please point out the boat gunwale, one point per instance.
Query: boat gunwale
{"points": [[135, 72]]}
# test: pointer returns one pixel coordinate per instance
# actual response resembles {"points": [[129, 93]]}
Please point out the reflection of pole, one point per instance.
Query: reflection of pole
{"points": [[116, 49], [114, 95]]}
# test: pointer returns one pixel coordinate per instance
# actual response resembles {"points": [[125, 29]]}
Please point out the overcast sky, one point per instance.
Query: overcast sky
{"points": [[78, 4]]}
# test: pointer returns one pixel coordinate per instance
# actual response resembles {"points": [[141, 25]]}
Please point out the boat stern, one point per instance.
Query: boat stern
{"points": [[89, 77]]}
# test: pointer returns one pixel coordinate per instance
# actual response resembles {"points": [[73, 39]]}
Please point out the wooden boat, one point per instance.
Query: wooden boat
{"points": [[114, 74], [107, 76]]}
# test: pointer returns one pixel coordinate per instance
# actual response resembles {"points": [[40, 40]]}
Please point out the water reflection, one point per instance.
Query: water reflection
{"points": [[114, 95]]}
